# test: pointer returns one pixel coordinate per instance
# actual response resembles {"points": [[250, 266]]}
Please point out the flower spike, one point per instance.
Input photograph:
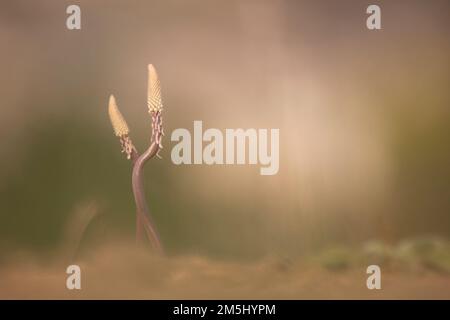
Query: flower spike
{"points": [[120, 128], [154, 100], [155, 106]]}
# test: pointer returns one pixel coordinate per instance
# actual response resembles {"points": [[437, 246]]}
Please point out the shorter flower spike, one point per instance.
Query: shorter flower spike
{"points": [[118, 122], [120, 128]]}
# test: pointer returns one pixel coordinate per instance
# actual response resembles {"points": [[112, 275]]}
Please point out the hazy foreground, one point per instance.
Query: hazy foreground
{"points": [[128, 273]]}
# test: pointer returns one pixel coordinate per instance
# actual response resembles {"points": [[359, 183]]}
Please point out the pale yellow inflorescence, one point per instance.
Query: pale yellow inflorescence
{"points": [[154, 91], [118, 122]]}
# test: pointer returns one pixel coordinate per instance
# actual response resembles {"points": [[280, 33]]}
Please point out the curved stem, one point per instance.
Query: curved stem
{"points": [[143, 218]]}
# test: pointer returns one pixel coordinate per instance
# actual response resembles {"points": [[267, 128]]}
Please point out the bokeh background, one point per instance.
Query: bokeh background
{"points": [[364, 157]]}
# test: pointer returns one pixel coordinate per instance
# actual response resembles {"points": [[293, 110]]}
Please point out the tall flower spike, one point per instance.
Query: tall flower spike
{"points": [[155, 106], [154, 91], [120, 128]]}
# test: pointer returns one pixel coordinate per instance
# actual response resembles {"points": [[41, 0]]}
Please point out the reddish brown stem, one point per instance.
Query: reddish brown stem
{"points": [[143, 219]]}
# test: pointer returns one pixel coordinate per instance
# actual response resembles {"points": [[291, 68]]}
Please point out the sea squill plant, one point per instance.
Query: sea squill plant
{"points": [[144, 223]]}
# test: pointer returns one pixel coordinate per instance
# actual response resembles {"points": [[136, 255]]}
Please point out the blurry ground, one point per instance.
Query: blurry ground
{"points": [[123, 272]]}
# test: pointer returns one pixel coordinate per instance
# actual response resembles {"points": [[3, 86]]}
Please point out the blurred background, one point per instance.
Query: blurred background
{"points": [[363, 118]]}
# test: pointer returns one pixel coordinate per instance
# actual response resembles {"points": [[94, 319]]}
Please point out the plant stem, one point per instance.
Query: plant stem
{"points": [[143, 218]]}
